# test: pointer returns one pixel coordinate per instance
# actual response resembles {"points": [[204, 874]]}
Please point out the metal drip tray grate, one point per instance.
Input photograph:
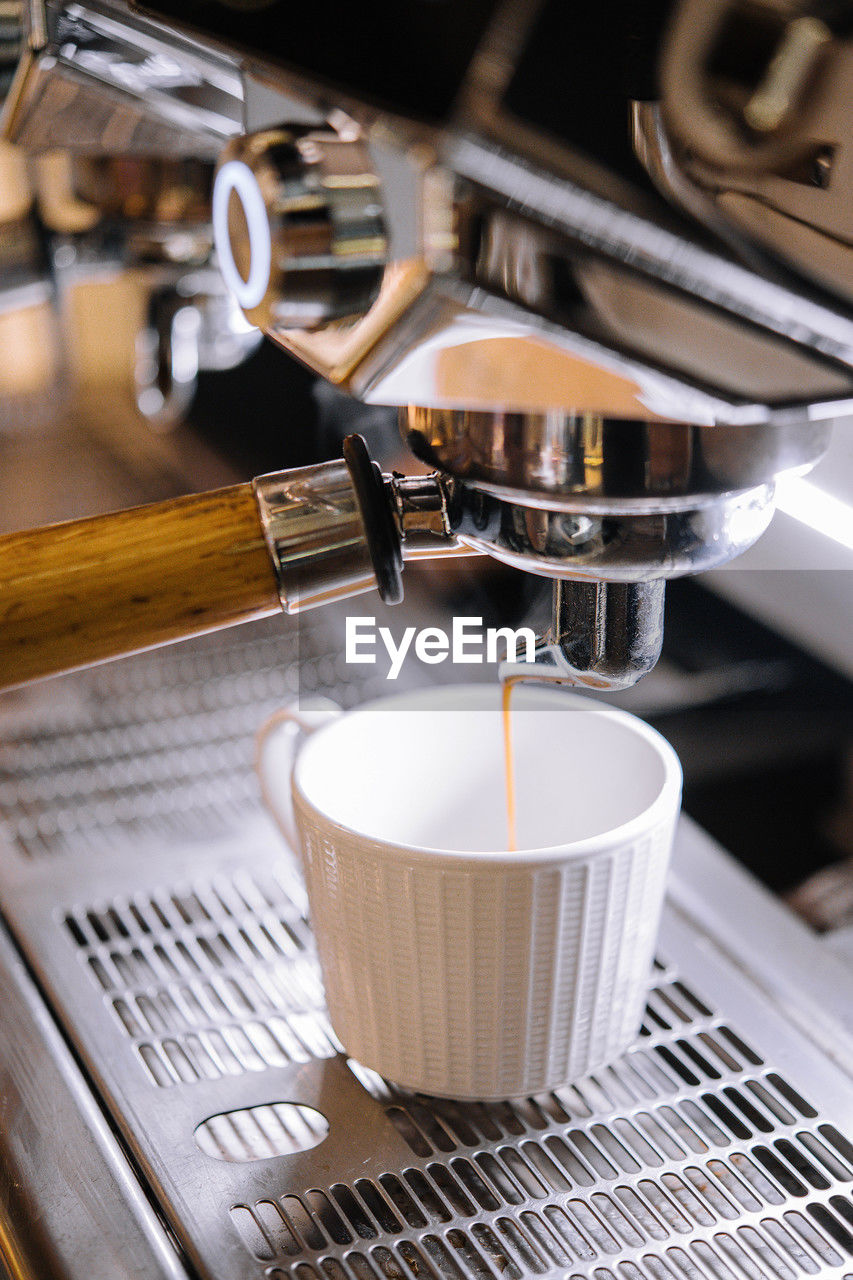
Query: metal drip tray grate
{"points": [[213, 981], [520, 1187], [160, 746], [184, 971], [198, 1006]]}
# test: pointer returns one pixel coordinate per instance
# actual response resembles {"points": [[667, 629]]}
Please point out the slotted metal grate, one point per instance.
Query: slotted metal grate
{"points": [[217, 979], [612, 1167], [259, 1133], [689, 1156], [184, 971], [159, 746]]}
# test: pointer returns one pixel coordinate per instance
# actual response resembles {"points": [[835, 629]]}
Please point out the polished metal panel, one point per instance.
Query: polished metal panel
{"points": [[185, 974], [73, 1210], [603, 635], [586, 460], [528, 292], [622, 548], [98, 79], [315, 534], [655, 252], [299, 227]]}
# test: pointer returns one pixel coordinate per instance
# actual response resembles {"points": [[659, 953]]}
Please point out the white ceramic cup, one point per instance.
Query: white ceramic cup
{"points": [[452, 966]]}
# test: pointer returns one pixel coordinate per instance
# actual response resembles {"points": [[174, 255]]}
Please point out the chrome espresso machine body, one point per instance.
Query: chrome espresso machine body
{"points": [[601, 263], [612, 311]]}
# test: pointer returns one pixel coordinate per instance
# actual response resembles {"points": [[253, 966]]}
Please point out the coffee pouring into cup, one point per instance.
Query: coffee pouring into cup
{"points": [[606, 391], [453, 966]]}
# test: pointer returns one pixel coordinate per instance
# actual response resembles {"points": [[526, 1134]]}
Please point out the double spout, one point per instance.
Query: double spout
{"points": [[604, 635]]}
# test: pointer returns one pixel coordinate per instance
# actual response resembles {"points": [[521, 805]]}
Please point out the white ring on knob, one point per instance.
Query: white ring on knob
{"points": [[238, 177]]}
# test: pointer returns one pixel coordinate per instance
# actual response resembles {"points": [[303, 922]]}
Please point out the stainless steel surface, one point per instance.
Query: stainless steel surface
{"points": [[636, 249], [299, 228], [615, 502], [486, 216], [98, 79], [73, 1208], [315, 535], [663, 326], [183, 971], [632, 547], [580, 461], [603, 635]]}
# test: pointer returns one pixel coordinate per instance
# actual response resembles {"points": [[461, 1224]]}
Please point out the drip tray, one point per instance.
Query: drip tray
{"points": [[184, 973]]}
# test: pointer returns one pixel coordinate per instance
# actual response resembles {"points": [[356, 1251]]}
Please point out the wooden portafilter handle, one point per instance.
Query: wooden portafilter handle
{"points": [[77, 593]]}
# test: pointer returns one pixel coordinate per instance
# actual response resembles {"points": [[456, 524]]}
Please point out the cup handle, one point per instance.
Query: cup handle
{"points": [[276, 744]]}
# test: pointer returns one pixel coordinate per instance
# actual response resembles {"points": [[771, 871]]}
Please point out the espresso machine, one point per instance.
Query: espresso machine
{"points": [[600, 264], [608, 337]]}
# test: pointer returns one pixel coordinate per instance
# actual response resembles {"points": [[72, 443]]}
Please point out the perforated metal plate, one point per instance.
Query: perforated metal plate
{"points": [[157, 747], [184, 971]]}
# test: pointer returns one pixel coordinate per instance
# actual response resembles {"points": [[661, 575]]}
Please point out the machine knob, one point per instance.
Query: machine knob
{"points": [[298, 224]]}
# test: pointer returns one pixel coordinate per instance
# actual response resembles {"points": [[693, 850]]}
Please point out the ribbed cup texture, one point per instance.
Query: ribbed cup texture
{"points": [[477, 979]]}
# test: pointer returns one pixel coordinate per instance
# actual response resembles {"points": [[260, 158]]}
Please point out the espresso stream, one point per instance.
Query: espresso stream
{"points": [[509, 772]]}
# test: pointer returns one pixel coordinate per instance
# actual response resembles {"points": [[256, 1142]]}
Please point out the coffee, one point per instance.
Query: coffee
{"points": [[509, 772], [459, 950]]}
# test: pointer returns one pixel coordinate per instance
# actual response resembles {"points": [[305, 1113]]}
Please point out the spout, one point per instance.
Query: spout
{"points": [[603, 635]]}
